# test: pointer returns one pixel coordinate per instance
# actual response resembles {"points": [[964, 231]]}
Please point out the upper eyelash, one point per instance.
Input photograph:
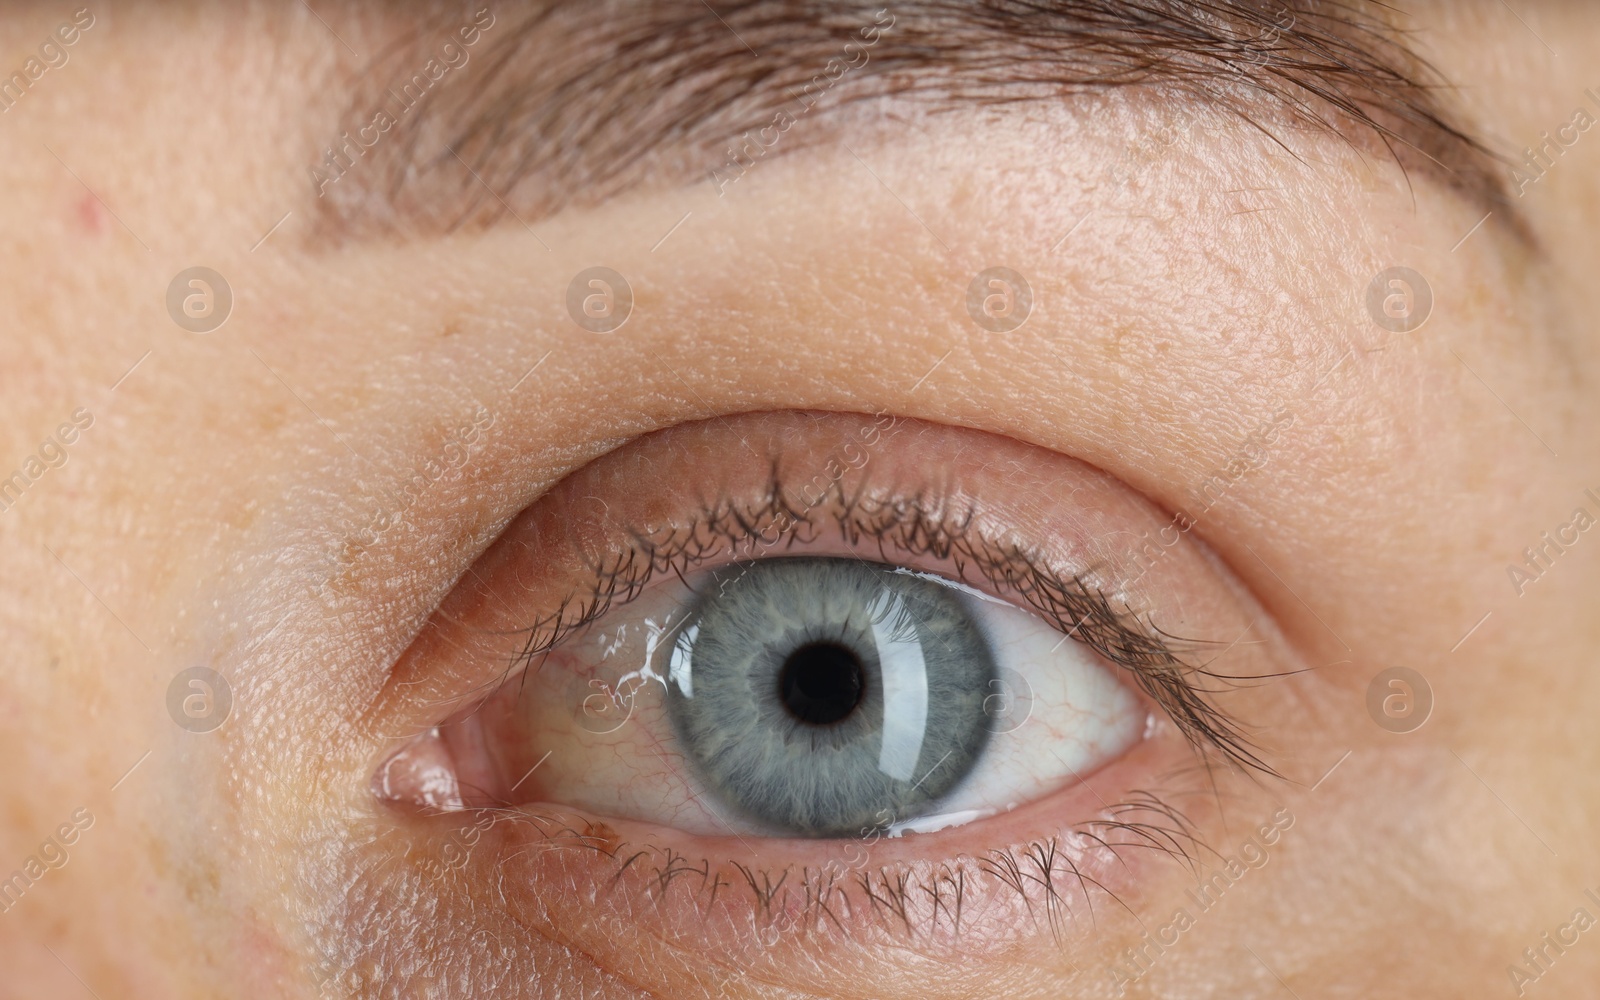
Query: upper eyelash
{"points": [[918, 525]]}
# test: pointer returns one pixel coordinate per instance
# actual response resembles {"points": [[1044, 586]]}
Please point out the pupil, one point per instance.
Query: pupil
{"points": [[821, 683]]}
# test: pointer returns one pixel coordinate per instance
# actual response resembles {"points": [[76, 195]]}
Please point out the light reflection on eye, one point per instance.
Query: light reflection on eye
{"points": [[805, 696]]}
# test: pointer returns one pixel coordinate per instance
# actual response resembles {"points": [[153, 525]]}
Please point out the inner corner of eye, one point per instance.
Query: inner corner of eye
{"points": [[444, 768], [418, 775], [810, 696]]}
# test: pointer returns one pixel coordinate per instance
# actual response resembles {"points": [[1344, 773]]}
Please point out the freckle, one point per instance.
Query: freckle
{"points": [[601, 837], [1113, 347], [270, 418], [91, 214]]}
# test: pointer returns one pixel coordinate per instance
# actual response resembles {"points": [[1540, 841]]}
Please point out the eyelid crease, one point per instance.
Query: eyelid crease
{"points": [[918, 526]]}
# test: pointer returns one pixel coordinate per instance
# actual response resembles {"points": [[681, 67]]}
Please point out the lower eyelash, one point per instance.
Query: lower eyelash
{"points": [[921, 525], [908, 898]]}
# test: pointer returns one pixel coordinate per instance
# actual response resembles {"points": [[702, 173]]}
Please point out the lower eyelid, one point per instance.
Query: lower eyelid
{"points": [[558, 886], [629, 884]]}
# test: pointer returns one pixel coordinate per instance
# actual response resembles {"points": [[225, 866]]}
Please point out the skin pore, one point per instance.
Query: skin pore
{"points": [[293, 499]]}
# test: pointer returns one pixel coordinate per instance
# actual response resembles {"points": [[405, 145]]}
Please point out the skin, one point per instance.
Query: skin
{"points": [[1224, 283]]}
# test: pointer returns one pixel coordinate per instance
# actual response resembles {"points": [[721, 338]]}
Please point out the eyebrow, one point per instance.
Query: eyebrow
{"points": [[574, 103]]}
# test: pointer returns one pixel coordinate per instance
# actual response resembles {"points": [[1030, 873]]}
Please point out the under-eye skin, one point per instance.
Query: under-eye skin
{"points": [[814, 642]]}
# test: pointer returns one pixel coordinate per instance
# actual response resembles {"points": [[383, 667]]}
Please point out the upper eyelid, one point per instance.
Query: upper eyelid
{"points": [[1076, 609]]}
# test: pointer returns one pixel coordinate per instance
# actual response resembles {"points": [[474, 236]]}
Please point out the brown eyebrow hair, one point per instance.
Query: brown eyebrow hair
{"points": [[567, 102]]}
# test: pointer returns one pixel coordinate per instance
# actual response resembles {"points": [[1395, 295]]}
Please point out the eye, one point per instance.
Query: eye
{"points": [[760, 641], [801, 696], [833, 696]]}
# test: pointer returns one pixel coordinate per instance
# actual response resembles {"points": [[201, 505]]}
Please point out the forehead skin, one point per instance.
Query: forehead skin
{"points": [[1225, 280]]}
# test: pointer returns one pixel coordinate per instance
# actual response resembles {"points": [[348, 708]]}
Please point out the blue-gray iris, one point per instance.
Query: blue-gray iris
{"points": [[827, 697]]}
